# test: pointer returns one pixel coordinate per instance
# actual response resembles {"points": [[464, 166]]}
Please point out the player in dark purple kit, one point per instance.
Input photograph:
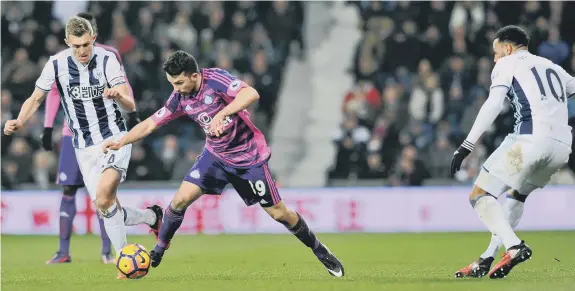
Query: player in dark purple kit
{"points": [[236, 151]]}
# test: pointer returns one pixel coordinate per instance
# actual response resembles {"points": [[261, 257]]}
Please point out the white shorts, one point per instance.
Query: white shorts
{"points": [[93, 162], [522, 163]]}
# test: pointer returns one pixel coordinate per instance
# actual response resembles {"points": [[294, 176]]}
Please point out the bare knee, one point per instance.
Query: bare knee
{"points": [[186, 195], [282, 214], [106, 191]]}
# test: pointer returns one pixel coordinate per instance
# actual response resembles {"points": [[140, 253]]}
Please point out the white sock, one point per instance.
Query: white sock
{"points": [[491, 213], [513, 210], [135, 216], [115, 227]]}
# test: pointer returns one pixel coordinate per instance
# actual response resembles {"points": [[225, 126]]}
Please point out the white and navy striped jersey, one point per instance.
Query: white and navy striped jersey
{"points": [[538, 92], [91, 118]]}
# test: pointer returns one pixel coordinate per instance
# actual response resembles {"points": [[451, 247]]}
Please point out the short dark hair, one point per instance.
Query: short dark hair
{"points": [[181, 62], [513, 34], [90, 17]]}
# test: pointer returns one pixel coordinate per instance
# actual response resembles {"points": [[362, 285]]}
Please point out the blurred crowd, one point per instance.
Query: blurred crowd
{"points": [[422, 71], [251, 39]]}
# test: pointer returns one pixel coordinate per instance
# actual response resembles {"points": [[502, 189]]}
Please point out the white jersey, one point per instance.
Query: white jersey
{"points": [[538, 92], [91, 118]]}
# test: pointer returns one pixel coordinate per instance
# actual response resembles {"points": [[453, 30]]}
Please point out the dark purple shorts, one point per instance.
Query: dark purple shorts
{"points": [[68, 170], [254, 185]]}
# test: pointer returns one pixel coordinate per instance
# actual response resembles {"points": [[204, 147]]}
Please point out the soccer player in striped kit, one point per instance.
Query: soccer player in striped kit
{"points": [[92, 87], [236, 151], [69, 175]]}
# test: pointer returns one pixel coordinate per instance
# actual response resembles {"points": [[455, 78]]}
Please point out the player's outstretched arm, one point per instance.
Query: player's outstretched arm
{"points": [[28, 109], [139, 131]]}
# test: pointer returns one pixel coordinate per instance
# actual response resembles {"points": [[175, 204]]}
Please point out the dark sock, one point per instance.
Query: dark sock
{"points": [[304, 234], [67, 213], [106, 243], [170, 224]]}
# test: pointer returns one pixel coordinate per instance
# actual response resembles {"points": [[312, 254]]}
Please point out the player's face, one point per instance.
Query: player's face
{"points": [[184, 83], [82, 47], [501, 50]]}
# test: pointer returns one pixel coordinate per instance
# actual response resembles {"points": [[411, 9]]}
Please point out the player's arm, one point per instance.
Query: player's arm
{"points": [[501, 79], [52, 106], [30, 106], [245, 97], [119, 89], [169, 112], [139, 131]]}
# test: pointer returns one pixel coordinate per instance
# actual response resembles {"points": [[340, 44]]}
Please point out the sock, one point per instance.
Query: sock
{"points": [[304, 234], [491, 213], [106, 244], [170, 224], [115, 227], [67, 213], [134, 216], [513, 210]]}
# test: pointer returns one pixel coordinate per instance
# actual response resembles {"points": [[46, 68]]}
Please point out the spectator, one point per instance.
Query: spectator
{"points": [[426, 103], [554, 48]]}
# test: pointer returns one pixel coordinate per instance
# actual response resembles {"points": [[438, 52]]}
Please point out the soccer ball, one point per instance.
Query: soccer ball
{"points": [[133, 261]]}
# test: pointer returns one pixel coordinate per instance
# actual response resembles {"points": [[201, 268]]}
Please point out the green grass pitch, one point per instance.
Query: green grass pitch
{"points": [[395, 262]]}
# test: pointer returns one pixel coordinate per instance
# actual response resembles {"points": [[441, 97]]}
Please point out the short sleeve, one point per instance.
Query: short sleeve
{"points": [[47, 77], [224, 82], [502, 75], [170, 111], [113, 70]]}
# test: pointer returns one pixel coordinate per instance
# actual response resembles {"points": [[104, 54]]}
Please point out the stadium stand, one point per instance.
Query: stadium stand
{"points": [[421, 72], [412, 77]]}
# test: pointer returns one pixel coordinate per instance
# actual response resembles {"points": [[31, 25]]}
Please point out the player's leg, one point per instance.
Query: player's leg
{"points": [[256, 185], [107, 255], [206, 176], [67, 214], [70, 178], [513, 210], [173, 217], [552, 156]]}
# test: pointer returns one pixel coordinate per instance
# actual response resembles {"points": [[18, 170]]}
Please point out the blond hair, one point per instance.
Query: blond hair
{"points": [[78, 26]]}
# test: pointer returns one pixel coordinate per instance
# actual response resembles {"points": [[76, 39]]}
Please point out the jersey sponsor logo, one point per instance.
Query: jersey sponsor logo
{"points": [[204, 120], [85, 92]]}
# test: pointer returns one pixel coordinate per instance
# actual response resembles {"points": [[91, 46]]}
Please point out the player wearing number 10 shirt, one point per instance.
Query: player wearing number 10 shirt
{"points": [[539, 146], [235, 152]]}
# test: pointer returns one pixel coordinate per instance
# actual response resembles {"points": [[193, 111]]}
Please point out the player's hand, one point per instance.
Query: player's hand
{"points": [[460, 154], [111, 145], [47, 138], [217, 124], [111, 93], [12, 126]]}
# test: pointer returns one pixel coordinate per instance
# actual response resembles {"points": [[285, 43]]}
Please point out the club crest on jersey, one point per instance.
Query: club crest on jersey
{"points": [[208, 100], [85, 92], [97, 73]]}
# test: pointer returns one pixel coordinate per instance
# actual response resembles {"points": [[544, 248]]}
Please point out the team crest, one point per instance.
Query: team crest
{"points": [[98, 74], [208, 100]]}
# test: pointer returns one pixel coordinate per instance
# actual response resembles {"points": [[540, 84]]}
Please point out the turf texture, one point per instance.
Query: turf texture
{"points": [[425, 261]]}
